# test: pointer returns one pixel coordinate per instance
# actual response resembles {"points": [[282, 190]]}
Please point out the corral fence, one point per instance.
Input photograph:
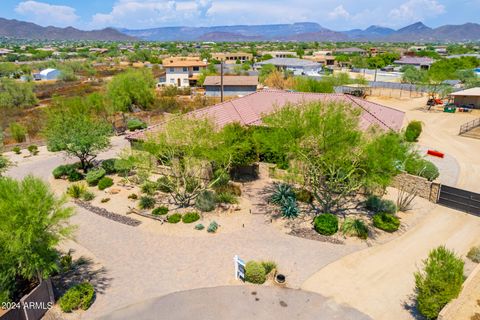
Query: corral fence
{"points": [[386, 89], [459, 199], [34, 305], [469, 126]]}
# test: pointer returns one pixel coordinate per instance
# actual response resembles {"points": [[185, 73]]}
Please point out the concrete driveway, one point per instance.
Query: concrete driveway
{"points": [[239, 302]]}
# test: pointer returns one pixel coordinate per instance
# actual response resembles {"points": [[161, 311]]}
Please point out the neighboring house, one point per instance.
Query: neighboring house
{"points": [[4, 52], [297, 66], [47, 74], [353, 50], [182, 72], [232, 85], [250, 109], [280, 54], [325, 58], [468, 97], [417, 62], [232, 57]]}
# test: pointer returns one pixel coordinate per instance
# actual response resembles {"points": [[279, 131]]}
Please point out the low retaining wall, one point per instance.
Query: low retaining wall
{"points": [[429, 190], [34, 305], [466, 305]]}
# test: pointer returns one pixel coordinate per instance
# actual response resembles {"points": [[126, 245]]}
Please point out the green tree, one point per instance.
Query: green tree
{"points": [[33, 221], [439, 282], [413, 75], [72, 127], [265, 71], [133, 88], [15, 94]]}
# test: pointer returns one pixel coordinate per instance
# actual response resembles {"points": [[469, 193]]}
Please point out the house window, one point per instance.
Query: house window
{"points": [[185, 69], [196, 68], [172, 69], [172, 80]]}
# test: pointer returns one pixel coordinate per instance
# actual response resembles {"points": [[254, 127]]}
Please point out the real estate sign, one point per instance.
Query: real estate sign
{"points": [[239, 268]]}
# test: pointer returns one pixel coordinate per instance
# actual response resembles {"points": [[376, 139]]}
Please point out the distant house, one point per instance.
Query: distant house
{"points": [[468, 97], [47, 74], [232, 85], [232, 57], [353, 50], [297, 66], [418, 62], [280, 54], [182, 72], [324, 57]]}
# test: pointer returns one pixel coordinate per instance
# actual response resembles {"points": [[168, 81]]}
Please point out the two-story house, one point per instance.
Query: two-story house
{"points": [[182, 71]]}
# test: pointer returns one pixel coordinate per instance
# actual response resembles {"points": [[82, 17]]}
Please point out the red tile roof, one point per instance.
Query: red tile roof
{"points": [[249, 110]]}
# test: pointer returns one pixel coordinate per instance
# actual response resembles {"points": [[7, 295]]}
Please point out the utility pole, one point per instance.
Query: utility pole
{"points": [[221, 81]]}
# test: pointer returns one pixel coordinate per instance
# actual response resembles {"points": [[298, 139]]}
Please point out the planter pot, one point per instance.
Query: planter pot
{"points": [[280, 279]]}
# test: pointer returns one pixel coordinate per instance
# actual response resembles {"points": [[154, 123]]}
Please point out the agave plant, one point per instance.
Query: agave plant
{"points": [[289, 209], [283, 192]]}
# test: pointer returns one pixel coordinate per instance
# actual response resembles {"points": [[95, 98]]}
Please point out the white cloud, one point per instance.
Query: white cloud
{"points": [[416, 10], [47, 14], [339, 13], [153, 13]]}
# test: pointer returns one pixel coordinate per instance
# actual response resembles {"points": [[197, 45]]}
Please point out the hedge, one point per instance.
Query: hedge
{"points": [[174, 218], [190, 217], [255, 272], [386, 222], [79, 296], [326, 224]]}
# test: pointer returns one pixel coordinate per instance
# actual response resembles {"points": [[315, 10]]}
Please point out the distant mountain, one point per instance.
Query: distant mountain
{"points": [[302, 31], [27, 30], [309, 31]]}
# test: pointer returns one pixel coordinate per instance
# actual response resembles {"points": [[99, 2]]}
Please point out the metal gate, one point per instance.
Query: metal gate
{"points": [[459, 199]]}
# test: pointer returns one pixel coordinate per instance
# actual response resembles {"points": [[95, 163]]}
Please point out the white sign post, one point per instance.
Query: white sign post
{"points": [[239, 268]]}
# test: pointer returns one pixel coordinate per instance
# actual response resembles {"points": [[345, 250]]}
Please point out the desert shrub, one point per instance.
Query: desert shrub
{"points": [[76, 190], [79, 296], [174, 218], [135, 124], [269, 266], [255, 272], [93, 176], [66, 262], [104, 183], [199, 226], [74, 175], [422, 168], [386, 222], [205, 201], [149, 187], [355, 228], [225, 197], [221, 178], [33, 149], [326, 224], [105, 200], [232, 188], [123, 167], [377, 204], [109, 166], [160, 211], [212, 227], [303, 195], [133, 196], [17, 150], [190, 217], [413, 131], [164, 185], [63, 170], [439, 282], [474, 254], [88, 196], [18, 132], [147, 202]]}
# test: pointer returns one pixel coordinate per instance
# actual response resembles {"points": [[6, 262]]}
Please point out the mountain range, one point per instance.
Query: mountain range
{"points": [[310, 31], [302, 31], [28, 30]]}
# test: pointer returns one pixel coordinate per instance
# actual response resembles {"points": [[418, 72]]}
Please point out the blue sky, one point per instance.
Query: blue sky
{"points": [[333, 14]]}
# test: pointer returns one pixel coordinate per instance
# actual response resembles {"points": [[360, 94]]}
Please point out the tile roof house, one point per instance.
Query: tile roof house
{"points": [[232, 85], [250, 109], [298, 66]]}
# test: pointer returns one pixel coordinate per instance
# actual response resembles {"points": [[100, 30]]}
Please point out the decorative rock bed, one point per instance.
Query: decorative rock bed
{"points": [[107, 214], [312, 235]]}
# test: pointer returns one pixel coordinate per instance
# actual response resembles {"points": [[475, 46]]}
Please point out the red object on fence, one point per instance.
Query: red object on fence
{"points": [[435, 153]]}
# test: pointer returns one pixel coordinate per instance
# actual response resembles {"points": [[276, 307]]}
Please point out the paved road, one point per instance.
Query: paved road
{"points": [[239, 302]]}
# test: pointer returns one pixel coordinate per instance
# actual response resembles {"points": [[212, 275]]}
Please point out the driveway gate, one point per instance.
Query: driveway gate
{"points": [[459, 199]]}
